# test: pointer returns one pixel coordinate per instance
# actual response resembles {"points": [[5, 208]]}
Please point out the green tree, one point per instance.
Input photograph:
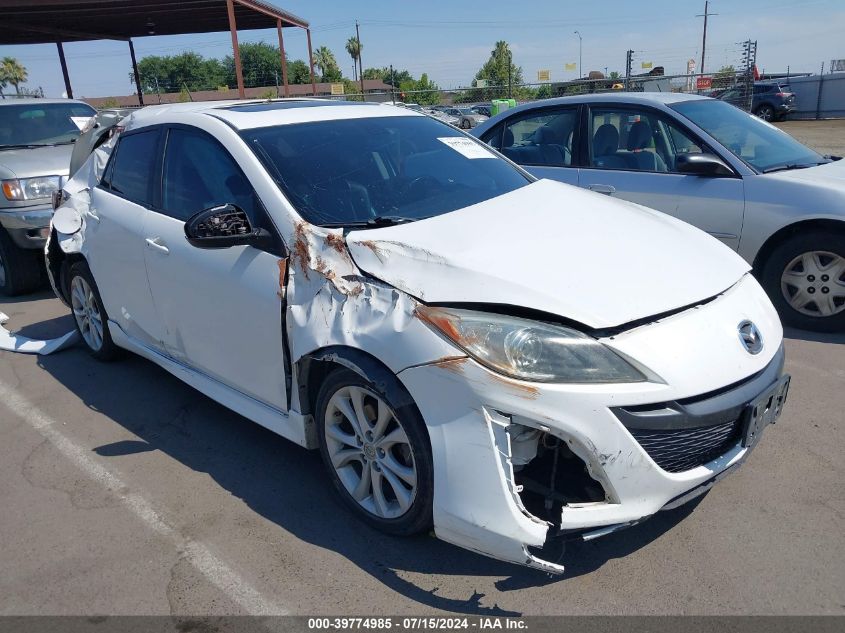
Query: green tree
{"points": [[298, 72], [260, 62], [170, 73], [397, 78], [428, 91], [498, 71], [614, 75], [12, 72], [353, 47], [325, 60], [725, 77]]}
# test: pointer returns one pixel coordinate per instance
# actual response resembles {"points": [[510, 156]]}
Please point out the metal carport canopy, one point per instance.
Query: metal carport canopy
{"points": [[47, 21]]}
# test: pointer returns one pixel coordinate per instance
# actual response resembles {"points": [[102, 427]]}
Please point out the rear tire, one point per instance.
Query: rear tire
{"points": [[805, 279], [89, 314], [20, 269]]}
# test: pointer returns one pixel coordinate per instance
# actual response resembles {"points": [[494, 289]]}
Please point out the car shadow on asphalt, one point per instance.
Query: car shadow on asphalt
{"points": [[287, 485], [817, 337]]}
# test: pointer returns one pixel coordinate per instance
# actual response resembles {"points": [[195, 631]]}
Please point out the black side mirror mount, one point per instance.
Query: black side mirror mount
{"points": [[703, 164], [224, 226]]}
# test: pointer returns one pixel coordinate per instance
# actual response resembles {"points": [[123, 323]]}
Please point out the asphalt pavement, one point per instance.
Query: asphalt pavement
{"points": [[124, 491]]}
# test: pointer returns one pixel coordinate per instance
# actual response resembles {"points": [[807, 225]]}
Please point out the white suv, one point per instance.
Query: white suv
{"points": [[504, 359]]}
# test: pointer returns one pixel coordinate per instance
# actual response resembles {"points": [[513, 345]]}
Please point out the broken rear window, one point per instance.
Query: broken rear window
{"points": [[352, 171]]}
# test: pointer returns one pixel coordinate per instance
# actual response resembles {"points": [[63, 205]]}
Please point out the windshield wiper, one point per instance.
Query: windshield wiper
{"points": [[21, 146], [789, 166], [376, 222]]}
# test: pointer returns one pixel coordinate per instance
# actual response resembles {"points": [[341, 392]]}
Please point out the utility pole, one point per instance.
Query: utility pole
{"points": [[629, 57], [580, 42], [510, 65], [360, 65], [392, 87], [704, 35]]}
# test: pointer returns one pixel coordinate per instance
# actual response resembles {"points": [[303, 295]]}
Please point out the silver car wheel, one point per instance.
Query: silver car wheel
{"points": [[370, 452], [86, 313], [814, 283]]}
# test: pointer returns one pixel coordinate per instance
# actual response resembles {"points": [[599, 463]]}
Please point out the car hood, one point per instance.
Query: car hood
{"points": [[53, 160], [830, 174], [554, 248]]}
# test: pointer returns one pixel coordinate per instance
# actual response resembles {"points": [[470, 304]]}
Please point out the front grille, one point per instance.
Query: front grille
{"points": [[677, 450]]}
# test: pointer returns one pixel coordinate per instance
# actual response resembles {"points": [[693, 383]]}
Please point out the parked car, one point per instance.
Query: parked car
{"points": [[467, 118], [442, 115], [771, 101], [483, 109], [776, 202], [36, 140], [451, 334]]}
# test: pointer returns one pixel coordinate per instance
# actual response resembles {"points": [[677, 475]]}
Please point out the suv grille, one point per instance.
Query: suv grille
{"points": [[678, 450]]}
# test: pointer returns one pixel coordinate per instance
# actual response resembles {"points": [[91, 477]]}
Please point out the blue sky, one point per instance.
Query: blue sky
{"points": [[451, 39]]}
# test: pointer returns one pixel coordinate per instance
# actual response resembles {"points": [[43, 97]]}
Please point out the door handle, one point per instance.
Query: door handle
{"points": [[155, 244], [605, 189]]}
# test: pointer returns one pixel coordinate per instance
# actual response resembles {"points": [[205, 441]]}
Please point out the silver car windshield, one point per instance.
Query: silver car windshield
{"points": [[375, 171], [40, 124], [756, 142]]}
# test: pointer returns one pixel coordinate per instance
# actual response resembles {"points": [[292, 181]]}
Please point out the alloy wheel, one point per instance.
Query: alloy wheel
{"points": [[370, 452], [87, 313], [814, 283]]}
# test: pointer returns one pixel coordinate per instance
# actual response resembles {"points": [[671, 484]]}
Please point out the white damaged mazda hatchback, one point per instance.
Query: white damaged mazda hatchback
{"points": [[512, 362]]}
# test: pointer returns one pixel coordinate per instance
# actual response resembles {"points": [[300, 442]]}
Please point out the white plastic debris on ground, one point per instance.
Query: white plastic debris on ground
{"points": [[24, 345]]}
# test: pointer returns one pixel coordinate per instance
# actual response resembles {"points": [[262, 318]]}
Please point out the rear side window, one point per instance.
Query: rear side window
{"points": [[130, 173]]}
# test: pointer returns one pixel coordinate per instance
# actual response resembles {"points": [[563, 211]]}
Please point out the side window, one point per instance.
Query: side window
{"points": [[636, 140], [130, 172], [494, 137], [543, 138], [199, 174]]}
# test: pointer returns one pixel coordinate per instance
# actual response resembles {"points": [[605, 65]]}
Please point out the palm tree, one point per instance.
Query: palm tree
{"points": [[324, 59], [353, 47], [12, 72]]}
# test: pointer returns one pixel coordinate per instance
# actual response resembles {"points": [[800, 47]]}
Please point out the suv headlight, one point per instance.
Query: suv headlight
{"points": [[530, 350], [38, 188]]}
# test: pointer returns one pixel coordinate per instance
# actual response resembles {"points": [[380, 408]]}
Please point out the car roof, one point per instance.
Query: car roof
{"points": [[249, 114], [621, 97], [32, 100]]}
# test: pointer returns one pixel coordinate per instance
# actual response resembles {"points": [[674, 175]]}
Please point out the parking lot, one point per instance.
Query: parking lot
{"points": [[127, 492]]}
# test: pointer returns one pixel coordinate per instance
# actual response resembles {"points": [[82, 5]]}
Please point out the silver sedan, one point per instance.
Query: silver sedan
{"points": [[776, 202]]}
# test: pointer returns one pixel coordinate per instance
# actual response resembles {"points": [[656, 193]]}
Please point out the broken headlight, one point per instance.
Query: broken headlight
{"points": [[530, 350], [30, 188]]}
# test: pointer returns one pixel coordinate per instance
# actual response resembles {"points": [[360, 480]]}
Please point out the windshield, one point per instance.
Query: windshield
{"points": [[352, 172], [758, 143], [42, 123]]}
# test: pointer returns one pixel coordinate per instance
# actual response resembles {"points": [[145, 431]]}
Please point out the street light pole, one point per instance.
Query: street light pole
{"points": [[580, 42]]}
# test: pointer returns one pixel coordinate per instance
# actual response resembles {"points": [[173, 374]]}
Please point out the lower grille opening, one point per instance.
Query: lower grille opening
{"points": [[554, 478], [677, 450]]}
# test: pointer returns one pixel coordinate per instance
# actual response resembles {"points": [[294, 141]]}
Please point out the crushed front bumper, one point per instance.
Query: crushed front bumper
{"points": [[473, 416]]}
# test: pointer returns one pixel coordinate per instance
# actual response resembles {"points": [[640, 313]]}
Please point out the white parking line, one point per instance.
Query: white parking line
{"points": [[198, 554]]}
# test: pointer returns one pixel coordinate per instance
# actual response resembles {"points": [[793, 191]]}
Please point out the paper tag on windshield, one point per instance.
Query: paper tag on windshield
{"points": [[80, 121], [466, 147]]}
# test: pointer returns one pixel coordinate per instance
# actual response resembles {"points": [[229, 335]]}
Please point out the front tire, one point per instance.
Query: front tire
{"points": [[765, 112], [375, 446], [805, 279], [89, 314]]}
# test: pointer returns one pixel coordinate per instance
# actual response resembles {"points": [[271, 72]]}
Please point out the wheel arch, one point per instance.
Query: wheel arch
{"points": [[312, 368], [58, 265], [784, 233]]}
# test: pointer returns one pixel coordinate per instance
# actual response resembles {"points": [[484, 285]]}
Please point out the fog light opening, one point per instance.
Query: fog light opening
{"points": [[548, 475]]}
